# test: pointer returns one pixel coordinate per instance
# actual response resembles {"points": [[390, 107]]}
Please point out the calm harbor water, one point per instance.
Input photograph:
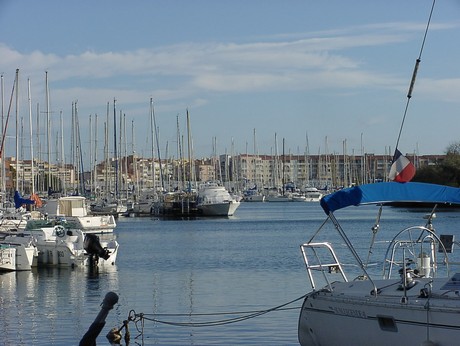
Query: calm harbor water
{"points": [[185, 271]]}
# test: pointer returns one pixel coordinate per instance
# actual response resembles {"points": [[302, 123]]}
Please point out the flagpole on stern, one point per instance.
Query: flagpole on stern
{"points": [[396, 166]]}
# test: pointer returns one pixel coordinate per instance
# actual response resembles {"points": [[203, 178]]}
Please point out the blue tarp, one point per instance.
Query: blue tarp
{"points": [[390, 192]]}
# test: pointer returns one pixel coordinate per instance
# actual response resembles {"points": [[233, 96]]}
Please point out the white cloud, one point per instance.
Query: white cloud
{"points": [[192, 74]]}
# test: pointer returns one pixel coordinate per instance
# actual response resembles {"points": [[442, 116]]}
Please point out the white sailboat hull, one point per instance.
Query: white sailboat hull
{"points": [[352, 315]]}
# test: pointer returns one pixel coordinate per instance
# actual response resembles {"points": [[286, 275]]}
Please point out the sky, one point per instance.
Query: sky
{"points": [[321, 76]]}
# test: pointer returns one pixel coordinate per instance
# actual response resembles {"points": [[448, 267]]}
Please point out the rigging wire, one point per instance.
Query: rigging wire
{"points": [[414, 75]]}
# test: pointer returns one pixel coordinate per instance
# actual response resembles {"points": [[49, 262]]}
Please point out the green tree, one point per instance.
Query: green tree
{"points": [[447, 172]]}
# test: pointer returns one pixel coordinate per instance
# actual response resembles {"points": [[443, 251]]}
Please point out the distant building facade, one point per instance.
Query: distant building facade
{"points": [[237, 172]]}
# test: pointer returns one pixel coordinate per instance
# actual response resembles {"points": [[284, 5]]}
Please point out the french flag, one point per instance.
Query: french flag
{"points": [[402, 170]]}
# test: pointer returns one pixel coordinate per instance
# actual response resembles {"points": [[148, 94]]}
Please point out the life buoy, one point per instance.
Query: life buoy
{"points": [[59, 231]]}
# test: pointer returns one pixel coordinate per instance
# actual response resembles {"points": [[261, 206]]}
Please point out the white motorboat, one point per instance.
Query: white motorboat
{"points": [[143, 204], [411, 298], [252, 195], [274, 195], [74, 209], [59, 244], [298, 197], [17, 253], [215, 200], [312, 194]]}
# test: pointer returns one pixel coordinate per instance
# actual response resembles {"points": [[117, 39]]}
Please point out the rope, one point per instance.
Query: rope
{"points": [[414, 75], [140, 318]]}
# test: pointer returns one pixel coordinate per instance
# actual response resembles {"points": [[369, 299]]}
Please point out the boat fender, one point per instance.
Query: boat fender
{"points": [[59, 231]]}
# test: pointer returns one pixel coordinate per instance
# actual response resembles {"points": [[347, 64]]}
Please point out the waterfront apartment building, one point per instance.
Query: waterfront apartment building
{"points": [[46, 176], [319, 170], [237, 172], [245, 171]]}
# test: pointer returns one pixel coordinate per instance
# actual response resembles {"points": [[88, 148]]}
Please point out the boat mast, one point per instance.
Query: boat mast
{"points": [[17, 129], [6, 123], [307, 160], [31, 139], [255, 155], [95, 153], [126, 157], [115, 145], [283, 167], [120, 155], [189, 143], [106, 151], [180, 166], [2, 172], [133, 146], [152, 145], [91, 154], [276, 168], [48, 138], [157, 142], [40, 182], [63, 188]]}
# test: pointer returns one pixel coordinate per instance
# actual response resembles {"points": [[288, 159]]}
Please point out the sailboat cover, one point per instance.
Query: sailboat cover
{"points": [[19, 201], [388, 192]]}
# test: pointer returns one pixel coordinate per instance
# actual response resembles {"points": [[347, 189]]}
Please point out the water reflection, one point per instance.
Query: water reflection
{"points": [[56, 303], [249, 262]]}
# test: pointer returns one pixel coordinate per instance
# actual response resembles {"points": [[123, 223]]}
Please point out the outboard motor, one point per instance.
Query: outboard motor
{"points": [[94, 248]]}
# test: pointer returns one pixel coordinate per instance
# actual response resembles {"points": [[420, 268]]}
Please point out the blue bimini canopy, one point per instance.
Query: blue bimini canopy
{"points": [[380, 193]]}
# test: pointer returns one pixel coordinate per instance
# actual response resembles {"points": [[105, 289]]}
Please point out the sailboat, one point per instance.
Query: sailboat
{"points": [[181, 202], [275, 195], [411, 296], [253, 194]]}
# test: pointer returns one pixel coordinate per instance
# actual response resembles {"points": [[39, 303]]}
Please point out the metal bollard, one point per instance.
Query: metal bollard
{"points": [[89, 339]]}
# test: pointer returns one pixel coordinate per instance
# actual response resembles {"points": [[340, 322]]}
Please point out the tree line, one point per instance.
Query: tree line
{"points": [[445, 172]]}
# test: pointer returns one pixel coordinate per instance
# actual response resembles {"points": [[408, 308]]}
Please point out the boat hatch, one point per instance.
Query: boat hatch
{"points": [[387, 323], [321, 257]]}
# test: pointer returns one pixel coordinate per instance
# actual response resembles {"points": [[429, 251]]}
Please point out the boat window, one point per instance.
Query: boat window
{"points": [[387, 323]]}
